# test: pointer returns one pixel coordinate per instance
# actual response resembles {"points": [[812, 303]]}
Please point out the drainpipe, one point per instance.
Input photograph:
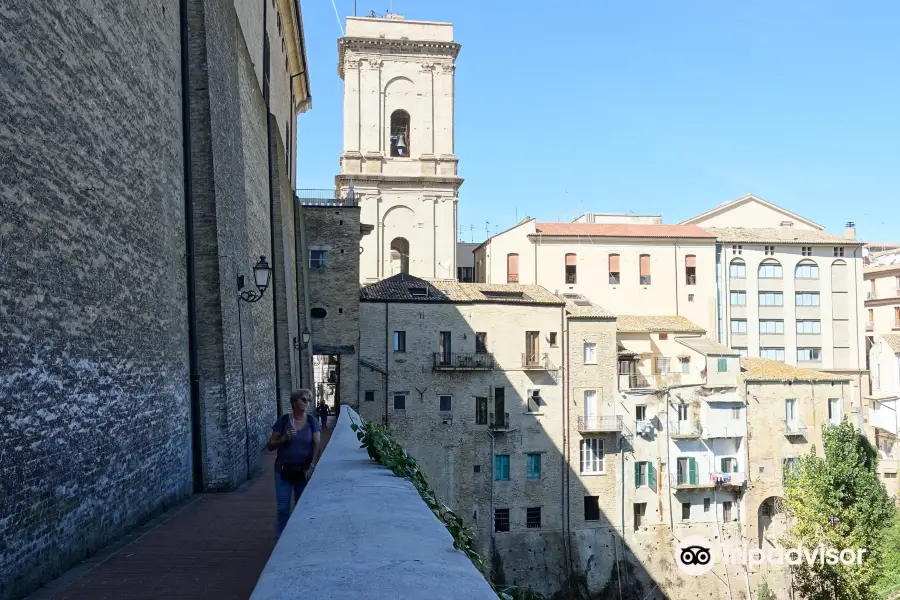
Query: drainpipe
{"points": [[669, 460], [564, 339], [493, 474], [190, 254], [298, 271], [676, 278], [387, 370]]}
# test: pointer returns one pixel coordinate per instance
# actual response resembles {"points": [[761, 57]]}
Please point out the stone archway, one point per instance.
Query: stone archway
{"points": [[772, 523], [399, 256]]}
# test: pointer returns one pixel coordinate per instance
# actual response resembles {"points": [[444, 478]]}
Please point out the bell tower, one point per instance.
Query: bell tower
{"points": [[398, 155]]}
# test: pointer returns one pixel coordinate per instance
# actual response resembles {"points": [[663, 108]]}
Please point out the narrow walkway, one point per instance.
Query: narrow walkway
{"points": [[210, 546]]}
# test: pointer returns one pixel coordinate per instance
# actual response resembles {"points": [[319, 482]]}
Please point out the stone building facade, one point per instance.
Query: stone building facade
{"points": [[399, 153], [153, 174]]}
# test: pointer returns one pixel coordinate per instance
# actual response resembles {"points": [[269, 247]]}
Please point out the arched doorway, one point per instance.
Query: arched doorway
{"points": [[399, 256], [772, 521]]}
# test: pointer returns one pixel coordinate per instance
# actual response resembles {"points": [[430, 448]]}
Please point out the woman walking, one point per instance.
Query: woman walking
{"points": [[298, 441]]}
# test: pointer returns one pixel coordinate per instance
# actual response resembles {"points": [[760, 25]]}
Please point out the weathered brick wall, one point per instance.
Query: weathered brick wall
{"points": [[231, 200], [94, 397], [336, 289]]}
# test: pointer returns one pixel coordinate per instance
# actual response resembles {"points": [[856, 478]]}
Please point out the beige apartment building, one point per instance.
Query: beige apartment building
{"points": [[788, 290], [398, 154], [882, 289], [883, 421], [627, 267]]}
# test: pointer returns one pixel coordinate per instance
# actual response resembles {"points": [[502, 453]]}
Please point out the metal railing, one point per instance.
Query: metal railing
{"points": [[325, 197], [794, 427], [499, 421], [594, 423], [684, 429], [633, 381], [463, 361], [539, 362], [707, 479], [666, 379]]}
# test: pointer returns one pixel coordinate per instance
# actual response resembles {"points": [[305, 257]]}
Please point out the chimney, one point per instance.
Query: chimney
{"points": [[850, 230]]}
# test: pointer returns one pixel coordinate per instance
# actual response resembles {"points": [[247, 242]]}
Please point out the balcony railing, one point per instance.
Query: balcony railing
{"points": [[794, 428], [707, 480], [684, 429], [309, 197], [633, 381], [499, 422], [463, 361], [537, 362], [664, 380], [593, 424]]}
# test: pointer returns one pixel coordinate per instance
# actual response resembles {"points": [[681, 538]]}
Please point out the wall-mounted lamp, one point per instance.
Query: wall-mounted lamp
{"points": [[304, 339], [262, 274]]}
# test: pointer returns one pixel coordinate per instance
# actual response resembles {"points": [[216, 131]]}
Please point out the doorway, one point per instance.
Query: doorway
{"points": [[327, 380]]}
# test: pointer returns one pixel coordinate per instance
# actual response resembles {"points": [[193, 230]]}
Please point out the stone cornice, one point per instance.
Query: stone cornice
{"points": [[392, 46], [410, 179]]}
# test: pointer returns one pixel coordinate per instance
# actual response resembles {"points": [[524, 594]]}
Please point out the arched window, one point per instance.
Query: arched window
{"points": [[769, 269], [806, 269], [400, 133], [399, 256], [615, 276], [512, 268], [737, 269], [571, 266], [839, 280]]}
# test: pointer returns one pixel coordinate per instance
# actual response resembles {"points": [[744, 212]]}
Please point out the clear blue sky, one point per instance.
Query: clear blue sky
{"points": [[652, 106]]}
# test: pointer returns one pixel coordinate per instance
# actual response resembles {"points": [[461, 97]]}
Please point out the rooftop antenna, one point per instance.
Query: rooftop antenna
{"points": [[472, 232], [487, 231]]}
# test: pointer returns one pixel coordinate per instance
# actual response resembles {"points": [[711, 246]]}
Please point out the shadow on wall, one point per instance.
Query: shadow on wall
{"points": [[489, 435]]}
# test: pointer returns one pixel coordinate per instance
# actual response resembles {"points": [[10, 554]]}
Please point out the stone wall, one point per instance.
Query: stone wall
{"points": [[335, 288], [94, 393]]}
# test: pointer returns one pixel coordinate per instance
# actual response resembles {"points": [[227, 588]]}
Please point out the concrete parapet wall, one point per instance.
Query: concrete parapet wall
{"points": [[359, 531]]}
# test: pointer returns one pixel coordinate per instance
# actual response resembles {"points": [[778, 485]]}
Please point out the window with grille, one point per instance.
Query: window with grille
{"points": [[533, 517], [737, 249], [806, 250], [592, 508], [501, 519], [770, 250], [838, 250], [592, 456]]}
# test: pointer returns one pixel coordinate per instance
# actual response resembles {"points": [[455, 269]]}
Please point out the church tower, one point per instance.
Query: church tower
{"points": [[398, 156]]}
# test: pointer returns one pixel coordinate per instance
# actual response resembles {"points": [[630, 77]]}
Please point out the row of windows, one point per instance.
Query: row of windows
{"points": [[532, 466], [776, 326], [804, 250], [532, 518], [445, 339], [835, 411], [803, 354], [739, 298], [534, 402], [614, 264], [771, 269]]}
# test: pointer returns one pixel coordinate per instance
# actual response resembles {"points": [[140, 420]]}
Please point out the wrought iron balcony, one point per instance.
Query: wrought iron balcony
{"points": [[633, 381], [599, 424], [463, 361], [537, 362], [707, 480], [327, 197], [499, 422], [794, 428]]}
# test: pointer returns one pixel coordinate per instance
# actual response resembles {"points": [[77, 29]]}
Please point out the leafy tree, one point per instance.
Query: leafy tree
{"points": [[889, 584], [765, 593], [837, 501]]}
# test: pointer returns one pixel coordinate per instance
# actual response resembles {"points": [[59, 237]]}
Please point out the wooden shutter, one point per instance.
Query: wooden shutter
{"points": [[512, 268], [692, 465], [637, 474], [613, 263], [645, 265], [571, 260], [651, 476], [734, 470], [724, 468], [690, 260]]}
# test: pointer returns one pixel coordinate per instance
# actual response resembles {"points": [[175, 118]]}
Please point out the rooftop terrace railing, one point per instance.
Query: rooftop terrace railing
{"points": [[325, 197]]}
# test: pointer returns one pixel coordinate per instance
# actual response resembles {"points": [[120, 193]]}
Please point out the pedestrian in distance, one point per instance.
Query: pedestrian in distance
{"points": [[323, 415], [297, 438]]}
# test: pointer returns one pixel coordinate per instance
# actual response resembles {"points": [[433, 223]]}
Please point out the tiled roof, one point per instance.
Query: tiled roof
{"points": [[881, 268], [578, 306], [656, 323], [637, 230], [763, 369], [893, 340], [706, 346], [778, 235], [406, 288]]}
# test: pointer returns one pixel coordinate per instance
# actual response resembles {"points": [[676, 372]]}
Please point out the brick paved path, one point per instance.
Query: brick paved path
{"points": [[210, 546]]}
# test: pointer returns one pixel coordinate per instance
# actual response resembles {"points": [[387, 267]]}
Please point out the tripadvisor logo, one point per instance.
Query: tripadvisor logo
{"points": [[694, 555]]}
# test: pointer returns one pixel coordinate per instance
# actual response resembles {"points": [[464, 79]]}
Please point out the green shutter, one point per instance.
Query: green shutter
{"points": [[651, 476], [637, 474], [724, 468], [693, 471], [735, 466]]}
